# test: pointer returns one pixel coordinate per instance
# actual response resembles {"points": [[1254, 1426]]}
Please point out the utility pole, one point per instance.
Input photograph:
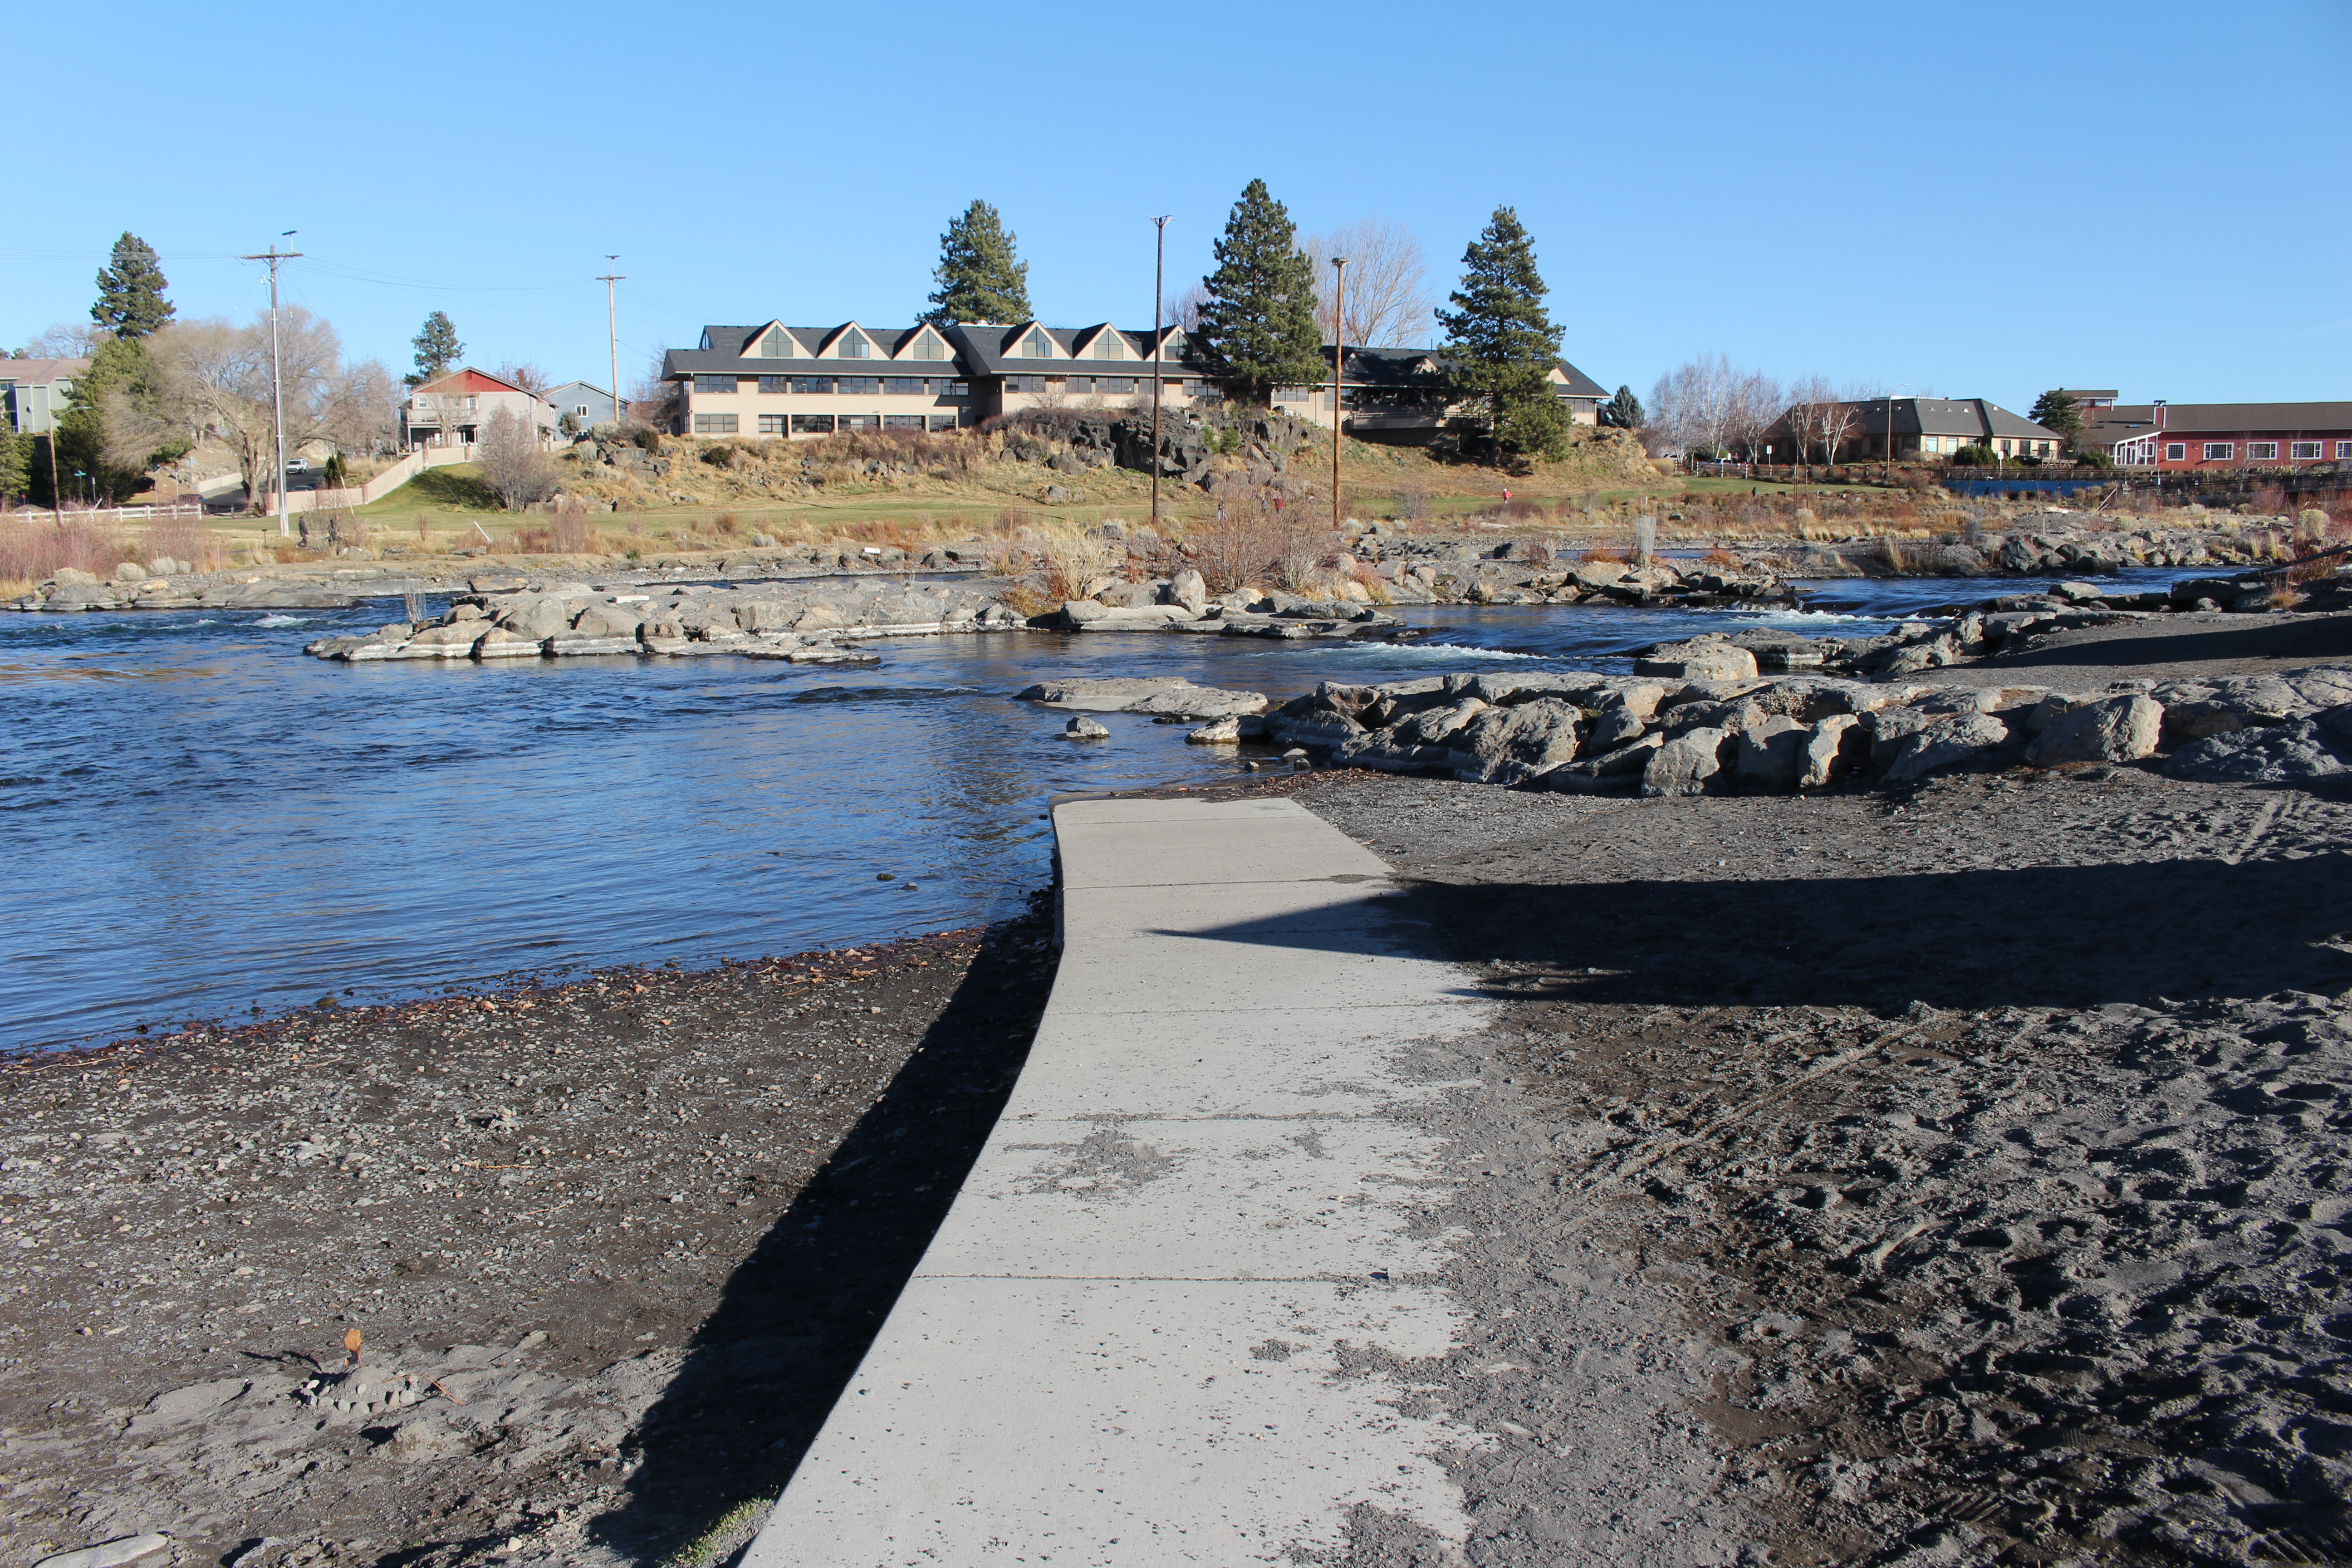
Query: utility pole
{"points": [[1338, 371], [612, 334], [277, 387], [1159, 352]]}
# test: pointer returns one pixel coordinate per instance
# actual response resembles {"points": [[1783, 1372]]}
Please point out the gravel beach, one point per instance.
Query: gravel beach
{"points": [[610, 1247]]}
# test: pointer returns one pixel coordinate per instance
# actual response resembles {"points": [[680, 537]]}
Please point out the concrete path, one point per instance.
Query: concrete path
{"points": [[1161, 1321]]}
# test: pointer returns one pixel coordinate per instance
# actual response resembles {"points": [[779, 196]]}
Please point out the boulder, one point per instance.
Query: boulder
{"points": [[73, 577], [1085, 729], [1225, 732], [1700, 658], [1510, 745], [2284, 754], [1618, 724], [2077, 592], [1187, 588], [1691, 763], [1771, 755], [1148, 694], [2110, 729], [1835, 746], [1953, 741], [500, 643], [130, 571]]}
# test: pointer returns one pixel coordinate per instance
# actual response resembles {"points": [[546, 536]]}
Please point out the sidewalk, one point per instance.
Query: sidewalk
{"points": [[1157, 1325]]}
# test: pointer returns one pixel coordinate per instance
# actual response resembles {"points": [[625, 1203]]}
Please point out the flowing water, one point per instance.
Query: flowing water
{"points": [[199, 822]]}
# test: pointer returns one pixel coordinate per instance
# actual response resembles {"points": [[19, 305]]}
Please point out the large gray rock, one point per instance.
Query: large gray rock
{"points": [[1691, 763], [1146, 694], [1834, 747], [1700, 658], [1188, 589], [1510, 745], [2110, 729], [1953, 741], [2284, 754], [1085, 729], [1617, 725], [110, 1553], [1771, 755]]}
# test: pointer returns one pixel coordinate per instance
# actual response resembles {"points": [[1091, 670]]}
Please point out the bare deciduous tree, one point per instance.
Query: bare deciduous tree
{"points": [[525, 375], [1754, 403], [67, 340], [512, 464], [1690, 406], [1389, 303], [1808, 400], [363, 412], [211, 379], [1184, 309]]}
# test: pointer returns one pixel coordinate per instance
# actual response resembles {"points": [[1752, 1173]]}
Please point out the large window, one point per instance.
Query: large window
{"points": [[2261, 451], [955, 389], [903, 385], [854, 347], [2304, 451], [943, 421], [1025, 383], [715, 425], [2343, 450], [859, 386], [861, 422], [1079, 385], [776, 384], [2175, 451], [902, 421], [1038, 346], [772, 425], [812, 424], [708, 383], [929, 347], [1108, 347], [2220, 451], [1115, 385], [775, 345], [1290, 394], [806, 385]]}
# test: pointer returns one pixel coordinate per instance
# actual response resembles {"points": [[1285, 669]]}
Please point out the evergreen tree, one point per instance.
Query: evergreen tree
{"points": [[437, 347], [16, 464], [1503, 346], [119, 369], [2056, 410], [981, 277], [130, 302], [1623, 411], [1258, 328]]}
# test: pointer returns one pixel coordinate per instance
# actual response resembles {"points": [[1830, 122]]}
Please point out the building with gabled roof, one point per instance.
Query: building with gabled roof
{"points": [[33, 392], [776, 379], [451, 410], [1910, 429]]}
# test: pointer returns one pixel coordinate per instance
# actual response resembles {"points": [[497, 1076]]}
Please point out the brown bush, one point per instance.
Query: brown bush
{"points": [[35, 546]]}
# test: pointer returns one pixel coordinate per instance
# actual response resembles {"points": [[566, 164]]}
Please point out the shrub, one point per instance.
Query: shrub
{"points": [[1974, 458], [2094, 458]]}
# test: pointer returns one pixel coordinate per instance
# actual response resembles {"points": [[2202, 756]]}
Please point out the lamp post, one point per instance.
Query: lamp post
{"points": [[1158, 351], [1338, 371]]}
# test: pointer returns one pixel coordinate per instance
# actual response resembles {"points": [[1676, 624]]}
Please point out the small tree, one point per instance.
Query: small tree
{"points": [[980, 276], [512, 464], [121, 370], [16, 464], [2056, 410], [1623, 411], [1257, 325], [437, 347], [1502, 345], [130, 302]]}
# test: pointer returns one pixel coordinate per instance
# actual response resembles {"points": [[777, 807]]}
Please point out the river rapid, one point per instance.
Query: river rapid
{"points": [[202, 823]]}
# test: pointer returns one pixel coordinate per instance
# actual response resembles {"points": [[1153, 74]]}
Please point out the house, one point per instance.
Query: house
{"points": [[1398, 394], [1916, 429], [33, 391], [2189, 437], [773, 379], [588, 403], [451, 410]]}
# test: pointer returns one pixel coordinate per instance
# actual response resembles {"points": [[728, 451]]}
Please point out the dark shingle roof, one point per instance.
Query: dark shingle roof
{"points": [[2126, 420]]}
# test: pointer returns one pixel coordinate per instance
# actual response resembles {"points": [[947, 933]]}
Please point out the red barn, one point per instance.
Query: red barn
{"points": [[2182, 438]]}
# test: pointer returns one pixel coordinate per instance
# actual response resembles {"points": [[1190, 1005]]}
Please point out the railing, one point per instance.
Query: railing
{"points": [[122, 513]]}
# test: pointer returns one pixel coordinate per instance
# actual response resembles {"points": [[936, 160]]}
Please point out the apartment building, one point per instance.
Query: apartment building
{"points": [[33, 392], [777, 380]]}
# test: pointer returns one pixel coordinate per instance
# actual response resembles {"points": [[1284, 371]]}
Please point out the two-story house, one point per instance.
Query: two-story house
{"points": [[33, 392], [451, 410]]}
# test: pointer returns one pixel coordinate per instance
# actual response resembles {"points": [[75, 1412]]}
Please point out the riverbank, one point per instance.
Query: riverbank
{"points": [[1963, 1171], [610, 1245]]}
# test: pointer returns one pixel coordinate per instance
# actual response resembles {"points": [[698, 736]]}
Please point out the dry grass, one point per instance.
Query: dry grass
{"points": [[36, 545]]}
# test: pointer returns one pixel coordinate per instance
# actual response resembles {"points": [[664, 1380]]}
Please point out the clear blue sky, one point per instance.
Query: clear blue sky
{"points": [[1985, 201]]}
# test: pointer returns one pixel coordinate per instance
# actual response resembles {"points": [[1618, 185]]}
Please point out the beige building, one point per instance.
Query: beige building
{"points": [[33, 392], [773, 380]]}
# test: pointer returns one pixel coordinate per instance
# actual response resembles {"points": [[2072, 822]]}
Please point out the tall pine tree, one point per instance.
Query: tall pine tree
{"points": [[981, 277], [1503, 347], [130, 302], [123, 369], [437, 347], [16, 464], [1258, 329]]}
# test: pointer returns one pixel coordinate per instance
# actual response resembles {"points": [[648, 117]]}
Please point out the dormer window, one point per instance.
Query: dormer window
{"points": [[854, 347], [775, 345], [1039, 346], [1106, 346], [929, 347]]}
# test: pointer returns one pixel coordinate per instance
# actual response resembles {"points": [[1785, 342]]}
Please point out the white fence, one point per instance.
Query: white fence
{"points": [[119, 513]]}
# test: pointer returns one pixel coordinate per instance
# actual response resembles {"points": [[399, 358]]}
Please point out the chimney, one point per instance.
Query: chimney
{"points": [[2159, 413]]}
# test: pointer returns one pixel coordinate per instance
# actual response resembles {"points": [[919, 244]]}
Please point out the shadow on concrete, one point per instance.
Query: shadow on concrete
{"points": [[2073, 936], [797, 1315]]}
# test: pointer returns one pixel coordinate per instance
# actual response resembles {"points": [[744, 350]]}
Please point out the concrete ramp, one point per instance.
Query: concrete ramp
{"points": [[1156, 1326]]}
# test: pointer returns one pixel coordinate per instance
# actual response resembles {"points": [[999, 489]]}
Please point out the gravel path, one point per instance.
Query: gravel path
{"points": [[612, 1247], [1943, 1179]]}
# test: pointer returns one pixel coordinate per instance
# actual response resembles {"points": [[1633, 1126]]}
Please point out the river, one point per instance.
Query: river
{"points": [[200, 823]]}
